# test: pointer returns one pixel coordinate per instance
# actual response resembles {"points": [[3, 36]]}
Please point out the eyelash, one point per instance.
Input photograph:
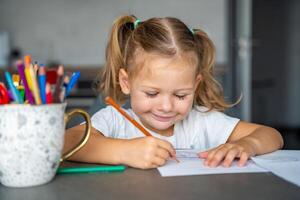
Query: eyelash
{"points": [[181, 97], [152, 95]]}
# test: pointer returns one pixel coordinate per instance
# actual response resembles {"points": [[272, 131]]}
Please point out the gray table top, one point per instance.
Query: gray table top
{"points": [[148, 184]]}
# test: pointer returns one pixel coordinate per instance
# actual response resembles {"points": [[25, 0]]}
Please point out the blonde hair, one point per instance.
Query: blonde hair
{"points": [[163, 36]]}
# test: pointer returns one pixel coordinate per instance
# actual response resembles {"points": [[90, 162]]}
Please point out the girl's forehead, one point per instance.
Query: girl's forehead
{"points": [[149, 63], [167, 73]]}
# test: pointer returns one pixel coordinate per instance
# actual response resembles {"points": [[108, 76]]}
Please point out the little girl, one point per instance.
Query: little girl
{"points": [[166, 70]]}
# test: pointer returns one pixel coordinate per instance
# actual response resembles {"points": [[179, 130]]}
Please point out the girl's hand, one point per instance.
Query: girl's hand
{"points": [[226, 153], [147, 152]]}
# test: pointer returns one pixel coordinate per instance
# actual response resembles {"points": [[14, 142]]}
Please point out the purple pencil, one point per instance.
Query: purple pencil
{"points": [[26, 87]]}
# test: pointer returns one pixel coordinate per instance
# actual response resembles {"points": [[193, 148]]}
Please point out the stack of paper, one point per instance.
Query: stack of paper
{"points": [[191, 164], [283, 163]]}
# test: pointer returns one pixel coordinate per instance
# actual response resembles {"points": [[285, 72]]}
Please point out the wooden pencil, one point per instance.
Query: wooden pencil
{"points": [[111, 102], [59, 84], [31, 80]]}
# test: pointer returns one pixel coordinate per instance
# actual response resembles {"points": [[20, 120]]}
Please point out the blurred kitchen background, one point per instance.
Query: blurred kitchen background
{"points": [[257, 43]]}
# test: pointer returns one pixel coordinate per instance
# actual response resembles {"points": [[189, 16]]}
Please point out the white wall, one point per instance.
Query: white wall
{"points": [[75, 32]]}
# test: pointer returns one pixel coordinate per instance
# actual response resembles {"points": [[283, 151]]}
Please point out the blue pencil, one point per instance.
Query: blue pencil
{"points": [[42, 83], [72, 82], [16, 95]]}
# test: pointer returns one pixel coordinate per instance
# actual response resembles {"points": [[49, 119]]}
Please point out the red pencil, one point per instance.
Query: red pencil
{"points": [[48, 94]]}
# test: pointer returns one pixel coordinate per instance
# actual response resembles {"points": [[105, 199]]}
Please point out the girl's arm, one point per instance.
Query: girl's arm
{"points": [[144, 152], [246, 140]]}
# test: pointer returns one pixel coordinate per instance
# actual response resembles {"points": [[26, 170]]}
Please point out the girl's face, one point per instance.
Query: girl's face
{"points": [[162, 92]]}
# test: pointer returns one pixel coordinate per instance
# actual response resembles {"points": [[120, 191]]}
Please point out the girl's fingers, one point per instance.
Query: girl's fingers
{"points": [[231, 155], [209, 153], [158, 161], [216, 155], [226, 153], [243, 159], [203, 154], [167, 146], [162, 153], [210, 156]]}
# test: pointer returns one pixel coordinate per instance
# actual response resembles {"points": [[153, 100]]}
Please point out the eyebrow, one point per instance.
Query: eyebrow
{"points": [[184, 89], [177, 90]]}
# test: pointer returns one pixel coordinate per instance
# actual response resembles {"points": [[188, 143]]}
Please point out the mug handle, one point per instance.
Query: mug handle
{"points": [[86, 136]]}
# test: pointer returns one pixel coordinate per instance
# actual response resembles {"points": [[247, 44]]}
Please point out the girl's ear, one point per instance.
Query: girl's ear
{"points": [[198, 80], [124, 81]]}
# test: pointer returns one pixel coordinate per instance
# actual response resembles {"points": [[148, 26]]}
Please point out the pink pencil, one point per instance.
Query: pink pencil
{"points": [[59, 83]]}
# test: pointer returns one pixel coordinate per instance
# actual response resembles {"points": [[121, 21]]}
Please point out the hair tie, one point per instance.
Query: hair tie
{"points": [[136, 23], [192, 31]]}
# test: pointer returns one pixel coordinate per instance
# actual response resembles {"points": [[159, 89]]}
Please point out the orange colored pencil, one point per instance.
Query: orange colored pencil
{"points": [[111, 102]]}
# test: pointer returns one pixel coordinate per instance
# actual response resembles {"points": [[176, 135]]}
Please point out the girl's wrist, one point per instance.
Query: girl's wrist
{"points": [[249, 144], [120, 156]]}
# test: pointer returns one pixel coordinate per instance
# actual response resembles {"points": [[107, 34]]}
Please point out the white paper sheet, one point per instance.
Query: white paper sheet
{"points": [[191, 164], [187, 153], [283, 163]]}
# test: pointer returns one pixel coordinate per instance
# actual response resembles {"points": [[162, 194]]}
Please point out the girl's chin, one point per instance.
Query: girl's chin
{"points": [[157, 125]]}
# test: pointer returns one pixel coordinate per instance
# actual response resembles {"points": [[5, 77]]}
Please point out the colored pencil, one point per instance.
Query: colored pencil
{"points": [[35, 88], [91, 169], [48, 94], [35, 67], [74, 78], [42, 83], [59, 83], [13, 89], [111, 102], [4, 96], [27, 62], [31, 79], [24, 80]]}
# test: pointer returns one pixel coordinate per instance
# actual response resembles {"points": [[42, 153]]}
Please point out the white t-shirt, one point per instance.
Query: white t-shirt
{"points": [[199, 130]]}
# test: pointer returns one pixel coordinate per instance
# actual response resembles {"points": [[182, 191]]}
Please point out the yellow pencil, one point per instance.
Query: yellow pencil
{"points": [[27, 61], [30, 75]]}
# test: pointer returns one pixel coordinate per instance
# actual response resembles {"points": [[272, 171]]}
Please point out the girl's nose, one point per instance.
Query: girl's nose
{"points": [[166, 104]]}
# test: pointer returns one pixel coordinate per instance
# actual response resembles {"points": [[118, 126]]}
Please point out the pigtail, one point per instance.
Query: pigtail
{"points": [[108, 84], [209, 92]]}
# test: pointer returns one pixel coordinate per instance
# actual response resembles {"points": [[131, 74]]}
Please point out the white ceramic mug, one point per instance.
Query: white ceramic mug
{"points": [[31, 142]]}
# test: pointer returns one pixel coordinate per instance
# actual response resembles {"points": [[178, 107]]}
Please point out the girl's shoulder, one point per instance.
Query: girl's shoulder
{"points": [[111, 123], [104, 111], [202, 112]]}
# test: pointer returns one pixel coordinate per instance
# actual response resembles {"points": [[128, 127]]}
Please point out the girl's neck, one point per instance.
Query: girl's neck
{"points": [[166, 133]]}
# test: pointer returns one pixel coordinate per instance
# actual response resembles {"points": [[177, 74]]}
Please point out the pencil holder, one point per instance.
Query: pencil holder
{"points": [[31, 142]]}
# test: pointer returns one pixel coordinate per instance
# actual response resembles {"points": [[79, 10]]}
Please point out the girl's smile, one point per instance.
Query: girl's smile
{"points": [[162, 118]]}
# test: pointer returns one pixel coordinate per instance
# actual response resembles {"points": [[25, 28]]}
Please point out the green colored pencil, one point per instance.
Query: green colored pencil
{"points": [[91, 169]]}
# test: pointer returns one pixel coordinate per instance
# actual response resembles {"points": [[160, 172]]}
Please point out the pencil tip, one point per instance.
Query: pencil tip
{"points": [[60, 70], [42, 70], [27, 59]]}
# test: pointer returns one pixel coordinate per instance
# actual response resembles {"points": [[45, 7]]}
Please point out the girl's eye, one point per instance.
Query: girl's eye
{"points": [[151, 95], [181, 97]]}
